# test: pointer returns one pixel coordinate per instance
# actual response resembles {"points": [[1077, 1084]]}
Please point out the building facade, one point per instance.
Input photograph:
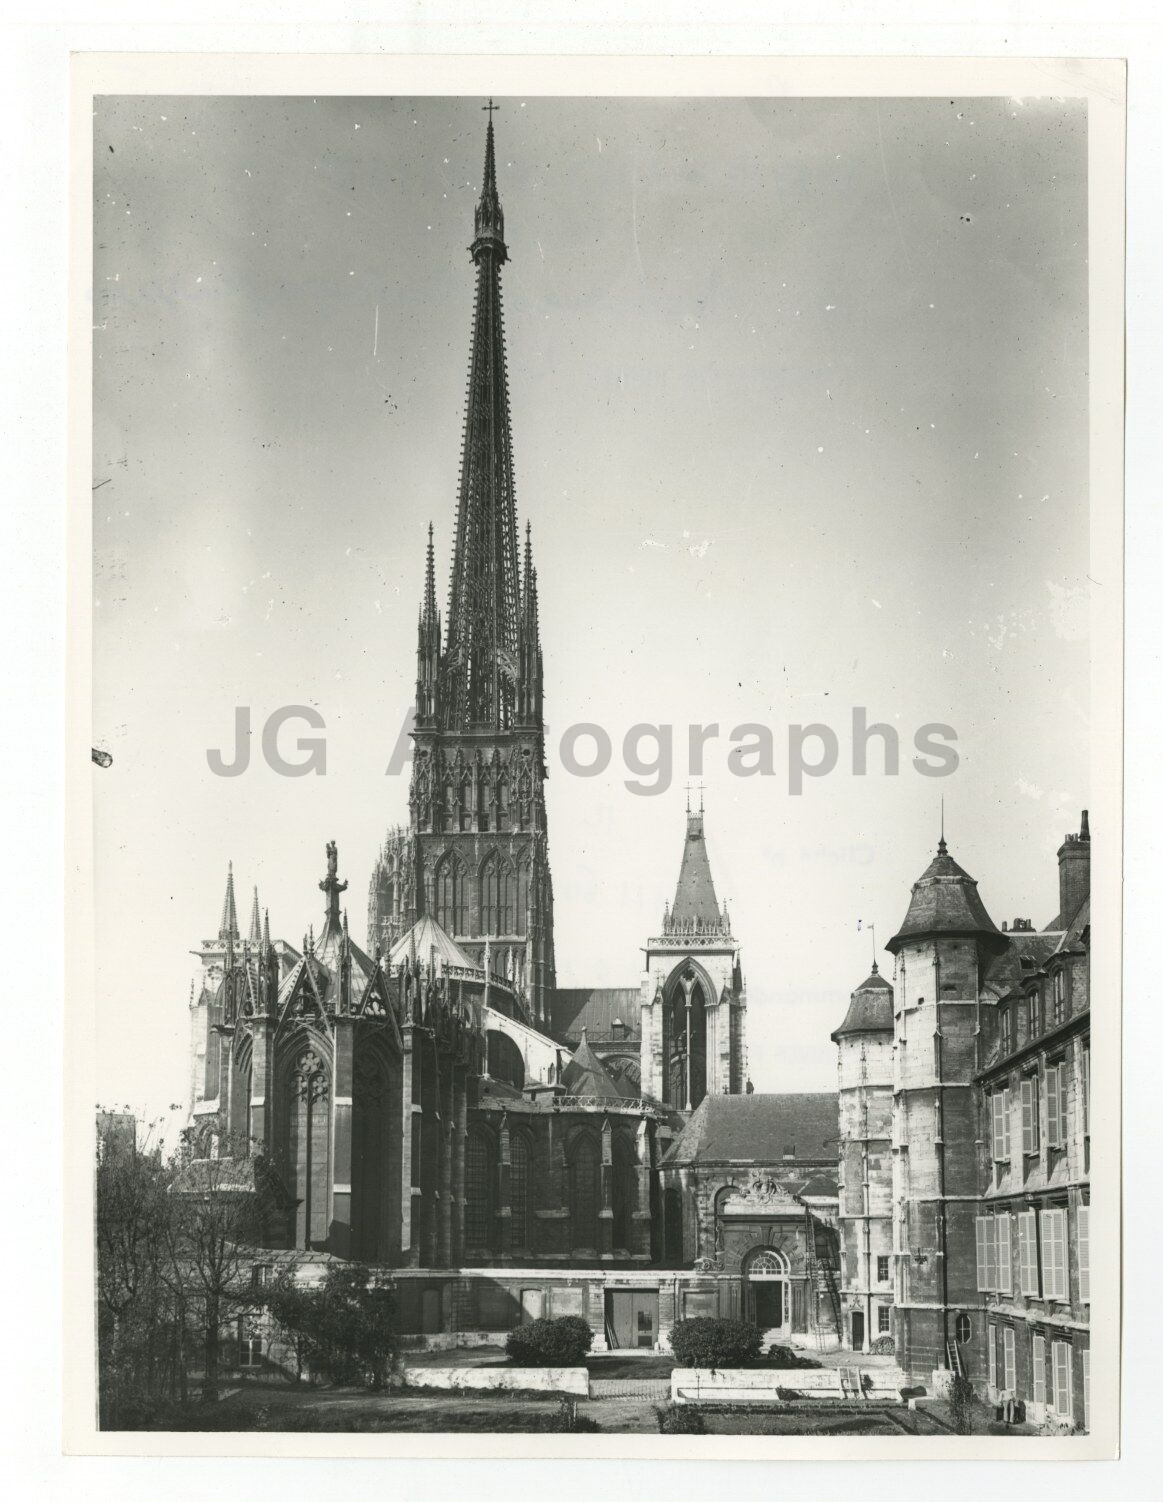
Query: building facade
{"points": [[989, 1122], [864, 1043]]}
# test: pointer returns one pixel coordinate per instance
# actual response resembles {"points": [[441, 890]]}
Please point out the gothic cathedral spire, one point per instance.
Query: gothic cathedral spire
{"points": [[475, 857], [481, 652]]}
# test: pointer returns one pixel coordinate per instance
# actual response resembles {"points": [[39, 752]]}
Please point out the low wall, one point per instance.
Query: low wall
{"points": [[763, 1385], [569, 1379]]}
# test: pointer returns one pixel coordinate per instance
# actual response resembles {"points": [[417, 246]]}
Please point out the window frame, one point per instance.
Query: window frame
{"points": [[1066, 1388], [1038, 1368]]}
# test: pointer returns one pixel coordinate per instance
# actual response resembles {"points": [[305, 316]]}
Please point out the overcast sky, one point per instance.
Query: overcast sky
{"points": [[799, 398]]}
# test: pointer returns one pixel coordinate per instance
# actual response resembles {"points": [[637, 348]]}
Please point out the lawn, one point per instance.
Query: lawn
{"points": [[281, 1409]]}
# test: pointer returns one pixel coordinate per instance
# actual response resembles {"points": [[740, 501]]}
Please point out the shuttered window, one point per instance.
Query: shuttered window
{"points": [[1038, 1361], [1028, 1253], [1084, 1253], [1086, 1089], [991, 1342], [1063, 1379], [1001, 1126], [1005, 1280], [1086, 1386], [986, 1255], [1011, 1359], [1052, 1137], [1054, 1254], [1030, 1114]]}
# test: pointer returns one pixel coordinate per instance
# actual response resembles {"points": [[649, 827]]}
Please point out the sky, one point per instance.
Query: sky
{"points": [[799, 403]]}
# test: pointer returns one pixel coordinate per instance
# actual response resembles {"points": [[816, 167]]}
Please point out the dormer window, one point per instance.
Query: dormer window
{"points": [[1059, 996], [1035, 1011]]}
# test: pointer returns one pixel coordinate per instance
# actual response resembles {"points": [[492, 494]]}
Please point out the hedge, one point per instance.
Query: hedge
{"points": [[550, 1342], [714, 1343]]}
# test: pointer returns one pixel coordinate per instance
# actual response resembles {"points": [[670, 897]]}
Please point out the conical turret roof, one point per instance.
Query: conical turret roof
{"points": [[870, 1009], [585, 1074], [945, 901], [694, 896]]}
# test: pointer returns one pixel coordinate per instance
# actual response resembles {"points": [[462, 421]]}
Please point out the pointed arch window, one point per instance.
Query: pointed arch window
{"points": [[521, 1192], [583, 1192], [450, 896], [504, 898], [488, 905], [625, 1188], [464, 804], [501, 804], [521, 899], [479, 1200]]}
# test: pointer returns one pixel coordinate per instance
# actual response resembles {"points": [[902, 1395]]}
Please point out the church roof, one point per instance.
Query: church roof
{"points": [[761, 1129], [945, 901], [424, 937], [694, 896], [585, 1074], [594, 1010], [870, 1009]]}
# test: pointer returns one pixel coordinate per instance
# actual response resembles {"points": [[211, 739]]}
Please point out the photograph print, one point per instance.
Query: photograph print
{"points": [[593, 771]]}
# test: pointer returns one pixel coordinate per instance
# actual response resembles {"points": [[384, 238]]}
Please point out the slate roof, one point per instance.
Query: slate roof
{"points": [[1026, 951], [870, 1010], [594, 1010], [945, 901], [694, 896], [760, 1129], [424, 936], [585, 1074]]}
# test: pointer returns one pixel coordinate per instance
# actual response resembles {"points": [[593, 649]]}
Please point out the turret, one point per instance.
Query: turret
{"points": [[1073, 873]]}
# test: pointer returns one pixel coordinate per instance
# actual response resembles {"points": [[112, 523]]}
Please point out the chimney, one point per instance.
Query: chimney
{"points": [[1073, 872]]}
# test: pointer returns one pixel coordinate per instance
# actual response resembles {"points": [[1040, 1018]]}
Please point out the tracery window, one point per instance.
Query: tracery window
{"points": [[583, 1192], [450, 896], [520, 1198], [478, 1192]]}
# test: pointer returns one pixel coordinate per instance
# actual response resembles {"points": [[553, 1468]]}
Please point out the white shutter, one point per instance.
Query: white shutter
{"points": [[1011, 1360], [1005, 1266], [1086, 1386], [1054, 1254], [991, 1335], [1028, 1252], [1063, 1379], [1005, 1124], [995, 1129], [1063, 1105], [1028, 1141], [1038, 1358], [1086, 1090], [1084, 1253], [1052, 1138], [983, 1283]]}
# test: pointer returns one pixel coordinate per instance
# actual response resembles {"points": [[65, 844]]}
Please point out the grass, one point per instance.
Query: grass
{"points": [[279, 1409]]}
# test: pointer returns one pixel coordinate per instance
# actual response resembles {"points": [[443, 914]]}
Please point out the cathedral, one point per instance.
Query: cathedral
{"points": [[501, 1147], [433, 1103]]}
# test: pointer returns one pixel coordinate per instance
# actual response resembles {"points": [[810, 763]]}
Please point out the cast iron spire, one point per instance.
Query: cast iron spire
{"points": [[482, 642]]}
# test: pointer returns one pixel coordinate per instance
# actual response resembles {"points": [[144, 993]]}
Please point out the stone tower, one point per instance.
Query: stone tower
{"points": [[942, 951], [694, 1004], [475, 856], [864, 1045]]}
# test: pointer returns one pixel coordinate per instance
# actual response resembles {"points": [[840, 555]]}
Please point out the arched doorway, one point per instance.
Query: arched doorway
{"points": [[766, 1287]]}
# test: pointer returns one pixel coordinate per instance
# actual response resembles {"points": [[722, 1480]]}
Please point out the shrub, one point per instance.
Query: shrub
{"points": [[785, 1357], [715, 1343], [679, 1418], [961, 1402], [550, 1342]]}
